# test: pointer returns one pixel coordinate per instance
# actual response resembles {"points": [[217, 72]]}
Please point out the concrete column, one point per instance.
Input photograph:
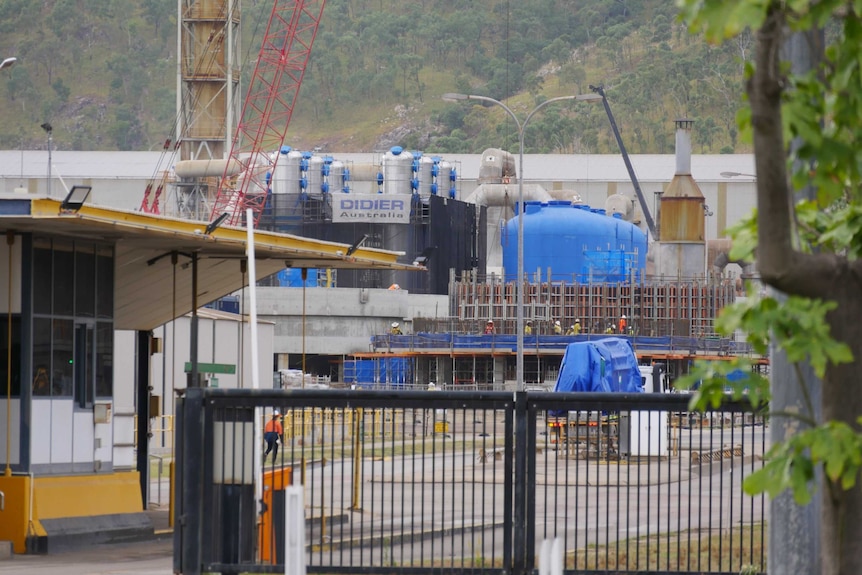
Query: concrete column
{"points": [[499, 373], [283, 360]]}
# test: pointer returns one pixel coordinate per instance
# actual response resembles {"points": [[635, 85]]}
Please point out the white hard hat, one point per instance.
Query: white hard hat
{"points": [[577, 321], [490, 321], [394, 324], [276, 412], [557, 322], [624, 316]]}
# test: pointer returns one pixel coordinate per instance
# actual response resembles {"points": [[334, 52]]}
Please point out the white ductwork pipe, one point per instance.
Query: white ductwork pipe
{"points": [[620, 204], [502, 195], [566, 196], [718, 257], [496, 165], [205, 168]]}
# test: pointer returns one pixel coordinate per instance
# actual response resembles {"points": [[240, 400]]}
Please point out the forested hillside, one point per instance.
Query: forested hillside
{"points": [[103, 72]]}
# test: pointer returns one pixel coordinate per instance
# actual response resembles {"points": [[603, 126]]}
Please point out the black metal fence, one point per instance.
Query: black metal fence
{"points": [[428, 482]]}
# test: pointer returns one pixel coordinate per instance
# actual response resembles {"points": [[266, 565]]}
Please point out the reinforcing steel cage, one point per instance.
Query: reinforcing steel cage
{"points": [[434, 481]]}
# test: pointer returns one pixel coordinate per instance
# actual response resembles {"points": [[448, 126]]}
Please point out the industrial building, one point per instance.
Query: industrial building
{"points": [[320, 328]]}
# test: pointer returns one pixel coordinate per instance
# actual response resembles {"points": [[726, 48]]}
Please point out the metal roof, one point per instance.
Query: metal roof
{"points": [[577, 167], [149, 289]]}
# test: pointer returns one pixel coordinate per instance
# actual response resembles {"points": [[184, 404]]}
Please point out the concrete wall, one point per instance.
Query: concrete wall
{"points": [[220, 340], [340, 321]]}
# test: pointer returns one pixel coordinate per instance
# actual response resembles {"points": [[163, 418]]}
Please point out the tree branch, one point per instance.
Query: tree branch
{"points": [[782, 267]]}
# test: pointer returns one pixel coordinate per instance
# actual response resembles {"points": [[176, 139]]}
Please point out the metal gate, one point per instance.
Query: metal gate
{"points": [[433, 481]]}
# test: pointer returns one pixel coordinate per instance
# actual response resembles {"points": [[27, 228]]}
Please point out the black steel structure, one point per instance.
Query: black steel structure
{"points": [[443, 230]]}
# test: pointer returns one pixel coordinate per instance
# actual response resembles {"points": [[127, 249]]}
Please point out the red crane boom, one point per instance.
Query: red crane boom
{"points": [[268, 107]]}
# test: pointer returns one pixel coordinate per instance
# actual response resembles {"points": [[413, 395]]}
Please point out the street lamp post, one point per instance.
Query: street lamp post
{"points": [[707, 213], [50, 131], [450, 97]]}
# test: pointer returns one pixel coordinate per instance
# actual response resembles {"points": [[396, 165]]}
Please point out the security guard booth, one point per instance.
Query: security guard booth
{"points": [[74, 467]]}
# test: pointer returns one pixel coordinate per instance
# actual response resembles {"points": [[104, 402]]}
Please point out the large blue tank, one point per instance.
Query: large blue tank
{"points": [[575, 243]]}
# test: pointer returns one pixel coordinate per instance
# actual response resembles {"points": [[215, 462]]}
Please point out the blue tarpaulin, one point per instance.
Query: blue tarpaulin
{"points": [[608, 365], [389, 372]]}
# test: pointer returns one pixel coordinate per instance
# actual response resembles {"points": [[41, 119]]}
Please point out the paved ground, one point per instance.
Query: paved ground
{"points": [[151, 557], [141, 558]]}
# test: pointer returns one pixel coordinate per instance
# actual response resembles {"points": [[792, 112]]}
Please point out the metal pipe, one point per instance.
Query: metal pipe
{"points": [[647, 216]]}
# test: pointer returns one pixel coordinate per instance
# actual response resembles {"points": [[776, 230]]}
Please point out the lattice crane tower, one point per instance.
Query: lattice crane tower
{"points": [[208, 75]]}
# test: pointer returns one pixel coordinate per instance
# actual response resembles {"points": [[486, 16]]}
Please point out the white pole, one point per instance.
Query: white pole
{"points": [[252, 299], [556, 557], [545, 557], [294, 531], [255, 383]]}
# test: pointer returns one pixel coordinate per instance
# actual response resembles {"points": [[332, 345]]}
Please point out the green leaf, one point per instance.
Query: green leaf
{"points": [[791, 464], [722, 19], [744, 234], [717, 381]]}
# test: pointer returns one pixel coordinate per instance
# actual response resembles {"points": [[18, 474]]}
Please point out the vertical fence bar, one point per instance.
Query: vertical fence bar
{"points": [[520, 507], [192, 485], [529, 453], [179, 484]]}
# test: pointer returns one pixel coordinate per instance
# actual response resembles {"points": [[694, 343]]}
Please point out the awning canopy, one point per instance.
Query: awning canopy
{"points": [[155, 255]]}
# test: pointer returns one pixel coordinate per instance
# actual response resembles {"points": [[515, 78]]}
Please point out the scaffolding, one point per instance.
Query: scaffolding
{"points": [[652, 308], [671, 322]]}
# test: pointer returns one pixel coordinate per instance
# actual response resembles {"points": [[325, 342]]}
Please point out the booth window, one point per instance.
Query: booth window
{"points": [[104, 359], [73, 310], [43, 280], [104, 283], [64, 280], [61, 359], [41, 357], [83, 365], [85, 281], [16, 354]]}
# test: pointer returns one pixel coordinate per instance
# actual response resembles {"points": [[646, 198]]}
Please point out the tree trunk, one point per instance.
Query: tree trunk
{"points": [[819, 275], [841, 527]]}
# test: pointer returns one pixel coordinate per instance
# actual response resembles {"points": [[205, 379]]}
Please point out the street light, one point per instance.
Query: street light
{"points": [[736, 174], [450, 97], [707, 213], [8, 63], [49, 129]]}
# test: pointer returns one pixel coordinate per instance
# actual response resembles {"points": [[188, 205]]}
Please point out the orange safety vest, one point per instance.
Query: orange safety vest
{"points": [[273, 425]]}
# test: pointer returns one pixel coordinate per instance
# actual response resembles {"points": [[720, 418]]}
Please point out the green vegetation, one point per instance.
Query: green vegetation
{"points": [[739, 549], [804, 120], [733, 550], [103, 72]]}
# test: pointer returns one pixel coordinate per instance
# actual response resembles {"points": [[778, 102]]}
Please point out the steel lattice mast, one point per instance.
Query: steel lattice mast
{"points": [[268, 107]]}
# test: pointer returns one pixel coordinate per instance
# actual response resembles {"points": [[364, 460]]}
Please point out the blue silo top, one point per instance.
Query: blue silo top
{"points": [[576, 243]]}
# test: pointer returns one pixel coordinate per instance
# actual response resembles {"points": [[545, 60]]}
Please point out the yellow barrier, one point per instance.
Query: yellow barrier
{"points": [[339, 424], [162, 430]]}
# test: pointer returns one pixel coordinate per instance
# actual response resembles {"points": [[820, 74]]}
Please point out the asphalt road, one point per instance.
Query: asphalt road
{"points": [[142, 558]]}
